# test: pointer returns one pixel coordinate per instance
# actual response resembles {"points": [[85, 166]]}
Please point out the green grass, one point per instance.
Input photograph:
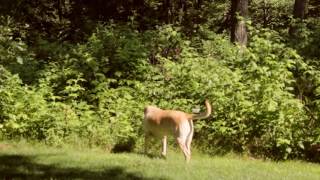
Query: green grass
{"points": [[27, 161]]}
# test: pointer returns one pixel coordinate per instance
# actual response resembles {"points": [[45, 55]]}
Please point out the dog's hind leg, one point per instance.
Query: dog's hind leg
{"points": [[182, 138], [182, 143], [189, 137]]}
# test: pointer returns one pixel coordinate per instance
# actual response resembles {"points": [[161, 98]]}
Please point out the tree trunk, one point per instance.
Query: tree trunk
{"points": [[299, 12], [299, 9], [168, 11], [238, 27], [199, 3]]}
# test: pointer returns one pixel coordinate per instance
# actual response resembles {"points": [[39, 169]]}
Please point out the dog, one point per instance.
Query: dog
{"points": [[160, 123]]}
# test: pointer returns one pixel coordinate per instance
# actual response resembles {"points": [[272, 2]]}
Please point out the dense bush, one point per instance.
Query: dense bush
{"points": [[94, 92], [265, 114]]}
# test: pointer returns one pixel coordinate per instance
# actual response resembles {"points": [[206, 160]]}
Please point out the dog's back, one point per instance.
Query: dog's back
{"points": [[161, 122]]}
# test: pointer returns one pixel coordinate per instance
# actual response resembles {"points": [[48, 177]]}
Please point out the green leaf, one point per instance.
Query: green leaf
{"points": [[19, 60]]}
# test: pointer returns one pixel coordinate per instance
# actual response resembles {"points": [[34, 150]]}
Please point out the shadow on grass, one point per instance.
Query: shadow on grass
{"points": [[24, 167]]}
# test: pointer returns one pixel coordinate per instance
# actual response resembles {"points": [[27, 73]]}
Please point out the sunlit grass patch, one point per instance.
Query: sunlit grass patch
{"points": [[36, 161]]}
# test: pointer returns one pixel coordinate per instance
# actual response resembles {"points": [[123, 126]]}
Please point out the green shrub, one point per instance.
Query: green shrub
{"points": [[14, 54], [94, 93], [255, 106]]}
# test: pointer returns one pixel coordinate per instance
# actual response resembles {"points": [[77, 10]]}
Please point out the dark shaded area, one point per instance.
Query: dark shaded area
{"points": [[24, 167], [312, 152], [73, 20], [124, 146]]}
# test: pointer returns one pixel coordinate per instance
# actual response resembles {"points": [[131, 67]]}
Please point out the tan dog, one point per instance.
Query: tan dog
{"points": [[160, 123]]}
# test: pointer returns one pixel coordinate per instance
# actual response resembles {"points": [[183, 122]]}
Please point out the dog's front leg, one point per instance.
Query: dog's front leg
{"points": [[164, 146], [146, 143]]}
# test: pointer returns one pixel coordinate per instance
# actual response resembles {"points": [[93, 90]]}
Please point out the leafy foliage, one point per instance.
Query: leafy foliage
{"points": [[87, 82]]}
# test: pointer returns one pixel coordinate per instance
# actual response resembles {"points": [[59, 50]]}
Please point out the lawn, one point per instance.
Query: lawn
{"points": [[36, 161]]}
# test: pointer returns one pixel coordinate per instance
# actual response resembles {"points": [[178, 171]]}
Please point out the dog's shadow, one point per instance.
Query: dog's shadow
{"points": [[25, 167]]}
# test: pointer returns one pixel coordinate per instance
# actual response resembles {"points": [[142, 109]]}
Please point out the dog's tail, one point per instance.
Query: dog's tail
{"points": [[203, 115]]}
